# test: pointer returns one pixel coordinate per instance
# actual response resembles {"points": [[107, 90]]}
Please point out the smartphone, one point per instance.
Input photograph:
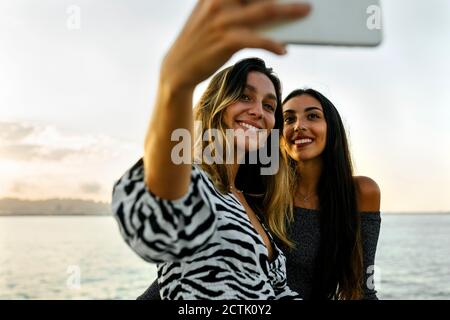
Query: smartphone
{"points": [[332, 22]]}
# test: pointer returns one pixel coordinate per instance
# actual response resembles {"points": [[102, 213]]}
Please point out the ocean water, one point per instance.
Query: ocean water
{"points": [[86, 258]]}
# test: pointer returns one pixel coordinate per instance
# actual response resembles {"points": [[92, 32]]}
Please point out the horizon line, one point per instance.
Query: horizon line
{"points": [[390, 212]]}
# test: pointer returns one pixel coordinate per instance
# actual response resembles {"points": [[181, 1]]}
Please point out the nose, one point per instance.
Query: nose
{"points": [[299, 126], [256, 110]]}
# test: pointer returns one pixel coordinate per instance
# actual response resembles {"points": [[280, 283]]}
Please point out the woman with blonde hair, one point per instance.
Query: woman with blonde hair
{"points": [[201, 222]]}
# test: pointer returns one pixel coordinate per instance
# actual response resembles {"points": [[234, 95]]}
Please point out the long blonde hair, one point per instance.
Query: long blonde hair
{"points": [[226, 87]]}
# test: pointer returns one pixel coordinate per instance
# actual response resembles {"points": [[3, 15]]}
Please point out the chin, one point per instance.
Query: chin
{"points": [[308, 157]]}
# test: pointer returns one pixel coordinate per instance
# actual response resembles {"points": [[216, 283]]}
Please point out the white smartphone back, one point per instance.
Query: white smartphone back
{"points": [[332, 22]]}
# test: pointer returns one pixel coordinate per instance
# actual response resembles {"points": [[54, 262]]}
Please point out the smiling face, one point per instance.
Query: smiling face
{"points": [[305, 128], [253, 115]]}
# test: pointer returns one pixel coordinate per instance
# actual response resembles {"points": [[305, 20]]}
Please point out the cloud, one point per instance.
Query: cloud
{"points": [[14, 132], [26, 152], [91, 188], [25, 142], [40, 162]]}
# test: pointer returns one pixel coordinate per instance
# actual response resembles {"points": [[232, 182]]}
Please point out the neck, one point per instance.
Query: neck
{"points": [[233, 169], [309, 175]]}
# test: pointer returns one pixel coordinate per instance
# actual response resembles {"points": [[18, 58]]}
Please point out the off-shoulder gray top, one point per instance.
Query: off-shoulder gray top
{"points": [[301, 260]]}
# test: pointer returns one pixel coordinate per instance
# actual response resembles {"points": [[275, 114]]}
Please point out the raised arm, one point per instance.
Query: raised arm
{"points": [[215, 30]]}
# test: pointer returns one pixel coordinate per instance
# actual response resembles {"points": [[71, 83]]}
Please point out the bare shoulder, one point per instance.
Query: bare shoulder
{"points": [[368, 194]]}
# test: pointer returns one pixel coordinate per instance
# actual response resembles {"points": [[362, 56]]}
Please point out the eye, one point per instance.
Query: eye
{"points": [[245, 97], [313, 116], [269, 107], [288, 119]]}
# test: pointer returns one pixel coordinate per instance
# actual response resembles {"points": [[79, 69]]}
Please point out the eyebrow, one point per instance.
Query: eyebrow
{"points": [[306, 110], [253, 89], [313, 108]]}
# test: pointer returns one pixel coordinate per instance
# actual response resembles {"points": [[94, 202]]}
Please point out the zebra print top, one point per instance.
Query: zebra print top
{"points": [[204, 244]]}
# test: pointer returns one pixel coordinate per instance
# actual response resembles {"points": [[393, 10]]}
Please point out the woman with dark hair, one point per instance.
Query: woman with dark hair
{"points": [[336, 218], [199, 221]]}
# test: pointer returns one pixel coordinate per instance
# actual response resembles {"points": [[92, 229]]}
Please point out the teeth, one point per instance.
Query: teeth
{"points": [[248, 126], [302, 141]]}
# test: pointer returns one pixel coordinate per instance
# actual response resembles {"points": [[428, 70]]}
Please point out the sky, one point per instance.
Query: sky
{"points": [[76, 95]]}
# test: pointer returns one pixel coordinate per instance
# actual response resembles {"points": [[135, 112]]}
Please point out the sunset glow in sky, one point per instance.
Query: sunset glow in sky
{"points": [[75, 102]]}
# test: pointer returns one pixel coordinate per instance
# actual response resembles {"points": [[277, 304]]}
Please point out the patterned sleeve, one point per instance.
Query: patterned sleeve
{"points": [[160, 230]]}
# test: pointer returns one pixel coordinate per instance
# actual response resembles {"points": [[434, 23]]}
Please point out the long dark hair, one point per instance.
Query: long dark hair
{"points": [[339, 265]]}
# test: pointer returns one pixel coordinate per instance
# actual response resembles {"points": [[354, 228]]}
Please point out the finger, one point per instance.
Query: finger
{"points": [[240, 2], [265, 12], [244, 38], [229, 3]]}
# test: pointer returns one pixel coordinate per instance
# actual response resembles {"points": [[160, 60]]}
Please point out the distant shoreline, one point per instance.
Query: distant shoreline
{"points": [[15, 207], [415, 213], [53, 207], [54, 215]]}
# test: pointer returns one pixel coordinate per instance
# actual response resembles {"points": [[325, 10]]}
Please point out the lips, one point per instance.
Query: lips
{"points": [[302, 141], [249, 125]]}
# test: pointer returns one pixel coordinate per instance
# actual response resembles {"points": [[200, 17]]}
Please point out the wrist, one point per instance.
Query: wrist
{"points": [[175, 87], [173, 78]]}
